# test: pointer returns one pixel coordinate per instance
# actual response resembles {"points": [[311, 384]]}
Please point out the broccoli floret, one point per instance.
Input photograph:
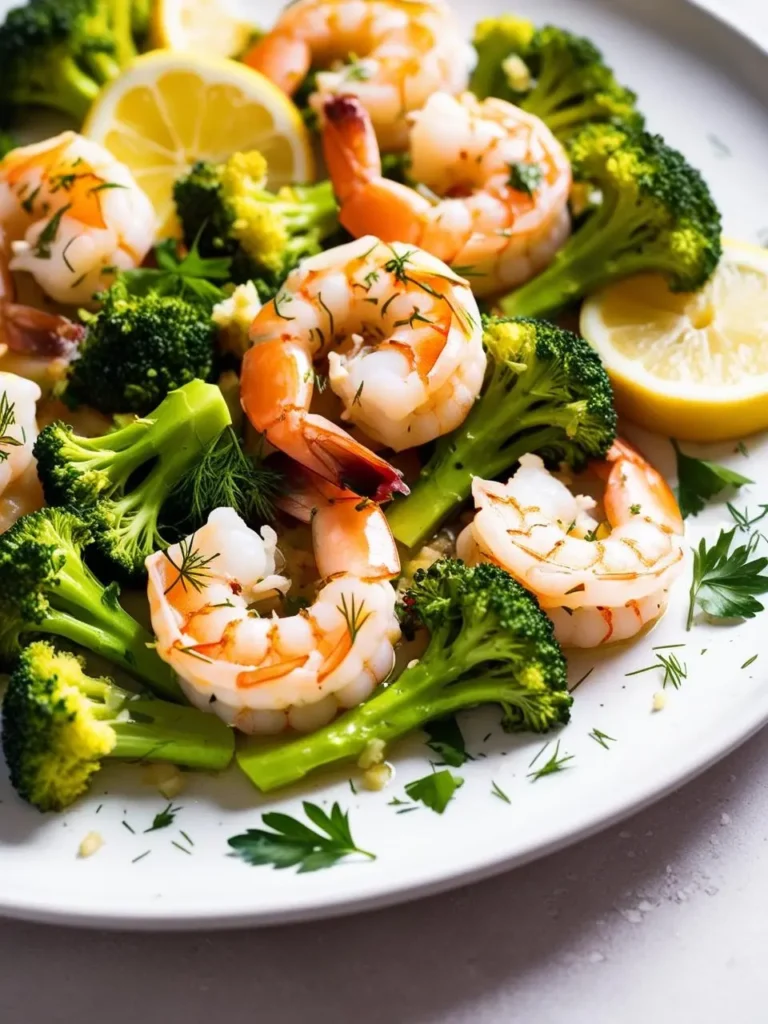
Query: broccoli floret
{"points": [[490, 643], [59, 724], [58, 53], [123, 481], [547, 392], [139, 348], [46, 588], [229, 211], [656, 214], [560, 77]]}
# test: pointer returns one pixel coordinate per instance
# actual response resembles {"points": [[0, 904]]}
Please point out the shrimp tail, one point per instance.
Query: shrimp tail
{"points": [[348, 464], [35, 332], [369, 203]]}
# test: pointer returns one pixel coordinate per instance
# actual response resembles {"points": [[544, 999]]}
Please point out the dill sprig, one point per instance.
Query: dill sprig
{"points": [[193, 567], [7, 420], [355, 618]]}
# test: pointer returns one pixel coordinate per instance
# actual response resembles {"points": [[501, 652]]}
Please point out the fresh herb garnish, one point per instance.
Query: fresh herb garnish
{"points": [[749, 661], [496, 790], [700, 480], [525, 177], [7, 420], [47, 236], [554, 764], [355, 618], [436, 790], [163, 818], [725, 582], [293, 843], [192, 568], [743, 520], [447, 741], [191, 277], [675, 671], [602, 738]]}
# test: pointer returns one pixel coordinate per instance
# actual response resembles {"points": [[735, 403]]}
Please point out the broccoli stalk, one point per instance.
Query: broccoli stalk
{"points": [[655, 215], [228, 211], [138, 348], [96, 475], [45, 587], [547, 393], [59, 724], [560, 77], [489, 644], [58, 53]]}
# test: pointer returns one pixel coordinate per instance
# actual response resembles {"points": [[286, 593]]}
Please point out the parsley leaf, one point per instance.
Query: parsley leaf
{"points": [[447, 741], [292, 843], [525, 177], [725, 582], [163, 818], [191, 277], [436, 790], [700, 480]]}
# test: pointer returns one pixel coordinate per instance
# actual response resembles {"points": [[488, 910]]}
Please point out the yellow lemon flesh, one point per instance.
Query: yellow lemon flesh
{"points": [[169, 109], [690, 365], [201, 26]]}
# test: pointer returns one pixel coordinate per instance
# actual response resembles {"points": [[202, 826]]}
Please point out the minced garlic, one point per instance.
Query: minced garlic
{"points": [[92, 843]]}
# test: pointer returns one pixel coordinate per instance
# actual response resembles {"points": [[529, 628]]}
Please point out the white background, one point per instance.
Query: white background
{"points": [[664, 918]]}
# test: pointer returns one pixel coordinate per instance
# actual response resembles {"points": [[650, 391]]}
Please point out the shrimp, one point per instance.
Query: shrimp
{"points": [[72, 212], [597, 586], [405, 355], [404, 51], [20, 490], [263, 674], [494, 185]]}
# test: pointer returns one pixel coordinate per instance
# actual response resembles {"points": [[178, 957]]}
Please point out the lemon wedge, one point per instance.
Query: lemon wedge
{"points": [[201, 26], [170, 109], [693, 366]]}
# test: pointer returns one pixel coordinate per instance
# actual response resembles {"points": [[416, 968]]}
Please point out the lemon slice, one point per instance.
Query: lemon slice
{"points": [[693, 366], [201, 26], [169, 109]]}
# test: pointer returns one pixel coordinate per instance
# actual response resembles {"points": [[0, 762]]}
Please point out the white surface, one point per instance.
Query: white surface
{"points": [[717, 707], [663, 915]]}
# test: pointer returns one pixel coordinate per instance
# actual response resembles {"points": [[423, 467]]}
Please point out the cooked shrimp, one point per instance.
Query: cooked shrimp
{"points": [[493, 194], [597, 588], [19, 488], [70, 210], [263, 674], [404, 345], [404, 51]]}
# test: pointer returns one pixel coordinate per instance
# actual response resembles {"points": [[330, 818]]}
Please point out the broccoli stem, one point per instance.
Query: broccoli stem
{"points": [[102, 66], [183, 736], [108, 629], [441, 684], [482, 449], [73, 91]]}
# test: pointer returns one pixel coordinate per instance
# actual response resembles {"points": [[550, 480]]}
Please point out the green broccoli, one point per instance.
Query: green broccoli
{"points": [[59, 724], [547, 392], [124, 481], [655, 214], [137, 349], [560, 77], [45, 587], [228, 210], [8, 142], [59, 53], [489, 644]]}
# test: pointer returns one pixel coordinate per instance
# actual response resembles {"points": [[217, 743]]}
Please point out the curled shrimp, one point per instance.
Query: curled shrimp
{"points": [[20, 490], [262, 673], [71, 212], [598, 586], [493, 194], [402, 336], [404, 51]]}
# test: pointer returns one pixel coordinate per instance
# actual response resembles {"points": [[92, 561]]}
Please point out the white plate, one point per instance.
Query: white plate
{"points": [[696, 77]]}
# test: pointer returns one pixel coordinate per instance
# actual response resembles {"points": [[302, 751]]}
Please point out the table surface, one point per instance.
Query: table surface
{"points": [[661, 918]]}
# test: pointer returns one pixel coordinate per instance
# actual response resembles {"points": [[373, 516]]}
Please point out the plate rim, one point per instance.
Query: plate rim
{"points": [[485, 865]]}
